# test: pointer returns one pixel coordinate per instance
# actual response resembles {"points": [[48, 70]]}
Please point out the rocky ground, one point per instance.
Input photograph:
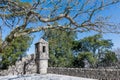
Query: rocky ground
{"points": [[42, 77]]}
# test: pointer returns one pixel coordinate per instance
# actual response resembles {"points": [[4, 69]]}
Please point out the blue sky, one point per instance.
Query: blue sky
{"points": [[113, 11]]}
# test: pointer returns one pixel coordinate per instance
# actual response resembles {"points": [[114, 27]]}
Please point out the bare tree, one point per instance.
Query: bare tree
{"points": [[24, 18]]}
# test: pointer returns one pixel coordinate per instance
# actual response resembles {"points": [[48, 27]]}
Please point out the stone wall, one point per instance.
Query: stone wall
{"points": [[25, 66], [101, 74], [28, 66]]}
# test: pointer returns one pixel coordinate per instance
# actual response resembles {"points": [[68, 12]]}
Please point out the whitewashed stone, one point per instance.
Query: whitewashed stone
{"points": [[42, 56]]}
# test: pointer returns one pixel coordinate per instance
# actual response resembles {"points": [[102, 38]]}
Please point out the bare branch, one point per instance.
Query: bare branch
{"points": [[78, 13]]}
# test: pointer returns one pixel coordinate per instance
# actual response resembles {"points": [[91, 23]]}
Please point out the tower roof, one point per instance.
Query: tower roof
{"points": [[41, 41]]}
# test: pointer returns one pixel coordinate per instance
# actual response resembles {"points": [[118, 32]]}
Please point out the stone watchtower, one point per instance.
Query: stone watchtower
{"points": [[42, 56]]}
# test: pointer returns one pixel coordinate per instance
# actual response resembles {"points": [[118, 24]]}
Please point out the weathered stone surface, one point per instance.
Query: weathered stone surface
{"points": [[26, 66], [42, 56], [101, 74]]}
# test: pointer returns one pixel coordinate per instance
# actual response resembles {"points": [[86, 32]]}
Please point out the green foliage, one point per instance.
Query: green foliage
{"points": [[22, 13], [65, 51], [60, 44], [93, 44], [94, 49], [109, 58], [15, 50], [79, 59]]}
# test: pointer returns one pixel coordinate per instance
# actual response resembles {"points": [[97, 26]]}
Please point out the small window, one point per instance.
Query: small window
{"points": [[44, 50], [37, 47]]}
